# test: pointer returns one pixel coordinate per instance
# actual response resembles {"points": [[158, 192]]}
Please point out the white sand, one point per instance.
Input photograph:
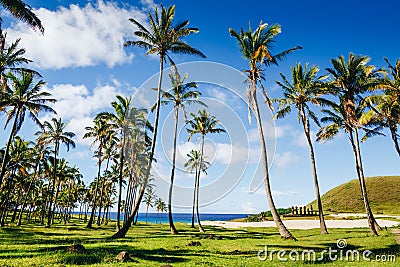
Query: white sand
{"points": [[303, 224]]}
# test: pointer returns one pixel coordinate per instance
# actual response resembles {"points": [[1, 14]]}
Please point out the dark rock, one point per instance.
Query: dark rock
{"points": [[166, 265], [210, 236], [219, 238], [76, 248], [123, 256], [194, 243]]}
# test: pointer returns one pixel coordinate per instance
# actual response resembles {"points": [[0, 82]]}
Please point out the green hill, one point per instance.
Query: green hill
{"points": [[383, 194]]}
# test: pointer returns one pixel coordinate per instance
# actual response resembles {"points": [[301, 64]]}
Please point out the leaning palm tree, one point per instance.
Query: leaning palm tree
{"points": [[350, 80], [256, 48], [180, 94], [161, 39], [22, 12], [55, 134], [22, 97], [306, 88], [102, 133], [386, 107], [192, 165], [203, 123]]}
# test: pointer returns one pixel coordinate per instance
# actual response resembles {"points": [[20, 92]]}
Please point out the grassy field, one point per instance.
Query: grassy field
{"points": [[383, 194], [152, 245]]}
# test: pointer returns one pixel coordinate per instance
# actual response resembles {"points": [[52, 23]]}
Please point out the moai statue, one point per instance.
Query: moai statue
{"points": [[311, 209], [292, 209], [305, 210], [296, 210], [301, 210]]}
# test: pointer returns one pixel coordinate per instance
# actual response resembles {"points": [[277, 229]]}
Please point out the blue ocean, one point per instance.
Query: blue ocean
{"points": [[182, 217]]}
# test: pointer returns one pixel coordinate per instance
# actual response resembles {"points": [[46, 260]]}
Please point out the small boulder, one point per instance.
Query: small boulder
{"points": [[76, 248], [166, 265], [123, 256], [194, 243]]}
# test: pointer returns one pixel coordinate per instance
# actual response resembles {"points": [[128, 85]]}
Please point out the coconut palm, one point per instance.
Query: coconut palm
{"points": [[162, 38], [350, 80], [148, 199], [203, 123], [22, 12], [386, 107], [180, 94], [55, 134], [306, 88], [256, 48], [22, 97], [102, 133], [120, 120], [192, 165]]}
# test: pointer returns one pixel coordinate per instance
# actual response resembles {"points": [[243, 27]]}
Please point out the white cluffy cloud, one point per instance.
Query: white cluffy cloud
{"points": [[78, 36], [77, 106]]}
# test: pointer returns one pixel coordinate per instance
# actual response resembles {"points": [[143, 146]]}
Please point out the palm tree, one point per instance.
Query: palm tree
{"points": [[22, 12], [181, 94], [148, 199], [23, 96], [162, 38], [386, 107], [203, 123], [54, 134], [120, 120], [102, 133], [350, 80], [256, 48], [192, 165], [305, 89]]}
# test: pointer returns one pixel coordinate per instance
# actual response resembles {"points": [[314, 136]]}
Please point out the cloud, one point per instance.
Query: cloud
{"points": [[281, 161], [271, 131], [77, 106], [78, 36], [248, 208]]}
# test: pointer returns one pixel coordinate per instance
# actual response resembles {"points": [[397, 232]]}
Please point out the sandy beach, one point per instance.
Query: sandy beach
{"points": [[304, 224]]}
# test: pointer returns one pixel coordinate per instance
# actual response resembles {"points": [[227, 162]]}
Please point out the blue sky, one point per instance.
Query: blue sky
{"points": [[82, 59]]}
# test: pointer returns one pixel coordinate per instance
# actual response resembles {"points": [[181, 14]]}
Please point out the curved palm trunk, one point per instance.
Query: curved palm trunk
{"points": [[283, 231], [170, 219], [201, 229], [122, 232], [376, 225], [393, 132], [322, 224], [7, 151], [194, 197], [50, 215], [357, 156], [90, 222], [102, 192]]}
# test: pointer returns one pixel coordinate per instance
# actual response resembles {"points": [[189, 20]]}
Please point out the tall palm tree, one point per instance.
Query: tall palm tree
{"points": [[256, 48], [162, 38], [22, 12], [148, 199], [203, 123], [180, 94], [102, 133], [350, 80], [55, 134], [22, 97], [192, 165], [386, 107], [306, 88], [122, 124]]}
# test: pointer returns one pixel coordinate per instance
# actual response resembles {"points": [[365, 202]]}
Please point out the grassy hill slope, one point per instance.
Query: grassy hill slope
{"points": [[383, 193]]}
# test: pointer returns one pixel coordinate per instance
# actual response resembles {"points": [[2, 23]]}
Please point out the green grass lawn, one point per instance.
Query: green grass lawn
{"points": [[153, 245]]}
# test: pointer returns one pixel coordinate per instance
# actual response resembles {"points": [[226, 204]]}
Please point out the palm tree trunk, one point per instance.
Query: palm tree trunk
{"points": [[201, 229], [90, 222], [194, 197], [393, 132], [170, 219], [49, 215], [322, 224], [356, 150], [102, 192], [284, 232], [121, 172], [125, 228], [27, 194], [147, 212], [7, 151]]}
